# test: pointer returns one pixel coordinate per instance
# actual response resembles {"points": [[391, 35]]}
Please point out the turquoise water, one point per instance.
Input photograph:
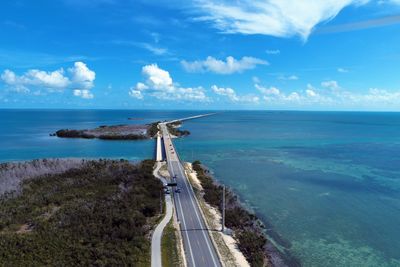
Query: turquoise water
{"points": [[326, 183]]}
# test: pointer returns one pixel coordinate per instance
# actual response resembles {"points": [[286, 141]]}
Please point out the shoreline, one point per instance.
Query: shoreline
{"points": [[275, 256]]}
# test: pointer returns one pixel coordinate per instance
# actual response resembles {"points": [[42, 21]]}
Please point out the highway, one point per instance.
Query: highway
{"points": [[199, 249]]}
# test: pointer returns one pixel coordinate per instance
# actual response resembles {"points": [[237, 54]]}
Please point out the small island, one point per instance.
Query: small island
{"points": [[122, 132]]}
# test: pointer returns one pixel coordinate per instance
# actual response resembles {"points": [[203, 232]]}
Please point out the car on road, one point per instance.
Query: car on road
{"points": [[177, 190]]}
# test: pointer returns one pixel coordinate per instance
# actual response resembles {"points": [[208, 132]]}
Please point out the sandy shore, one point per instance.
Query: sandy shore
{"points": [[213, 217]]}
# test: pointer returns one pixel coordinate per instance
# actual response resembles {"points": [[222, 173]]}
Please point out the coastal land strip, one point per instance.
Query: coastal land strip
{"points": [[119, 203], [122, 132]]}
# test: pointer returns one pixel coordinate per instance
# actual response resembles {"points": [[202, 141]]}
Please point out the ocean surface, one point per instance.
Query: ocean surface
{"points": [[327, 184]]}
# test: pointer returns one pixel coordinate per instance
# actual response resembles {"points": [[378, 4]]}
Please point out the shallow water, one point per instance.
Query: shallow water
{"points": [[327, 182]]}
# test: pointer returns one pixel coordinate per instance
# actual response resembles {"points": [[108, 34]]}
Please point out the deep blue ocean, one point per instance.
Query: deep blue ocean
{"points": [[327, 184]]}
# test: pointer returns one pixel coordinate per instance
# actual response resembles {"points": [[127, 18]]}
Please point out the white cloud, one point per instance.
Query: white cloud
{"points": [[232, 96], [311, 93], [336, 98], [268, 91], [159, 84], [332, 85], [229, 92], [52, 80], [81, 79], [86, 94], [135, 93], [9, 77], [273, 95], [281, 18], [229, 66], [374, 97], [156, 77], [82, 75], [182, 94]]}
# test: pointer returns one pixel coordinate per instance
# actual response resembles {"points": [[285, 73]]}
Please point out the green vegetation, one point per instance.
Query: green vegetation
{"points": [[121, 132], [247, 229], [173, 128], [152, 129], [65, 133], [99, 214], [169, 246], [123, 137]]}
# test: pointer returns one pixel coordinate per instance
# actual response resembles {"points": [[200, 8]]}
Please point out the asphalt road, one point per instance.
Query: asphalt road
{"points": [[199, 249]]}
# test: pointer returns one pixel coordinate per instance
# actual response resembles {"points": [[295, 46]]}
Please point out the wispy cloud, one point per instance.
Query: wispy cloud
{"points": [[360, 25], [228, 66], [156, 50], [288, 77], [280, 18], [273, 51], [342, 70], [15, 25], [22, 59]]}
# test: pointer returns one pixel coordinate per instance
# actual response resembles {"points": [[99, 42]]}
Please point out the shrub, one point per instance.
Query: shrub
{"points": [[97, 214]]}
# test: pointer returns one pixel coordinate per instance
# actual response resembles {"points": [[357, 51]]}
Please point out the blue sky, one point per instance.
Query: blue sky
{"points": [[202, 54]]}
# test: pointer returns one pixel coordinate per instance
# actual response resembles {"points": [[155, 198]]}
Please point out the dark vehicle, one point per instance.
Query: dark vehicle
{"points": [[177, 190]]}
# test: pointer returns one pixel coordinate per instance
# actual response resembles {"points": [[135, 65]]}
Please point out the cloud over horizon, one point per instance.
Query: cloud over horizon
{"points": [[159, 84], [81, 80], [233, 97], [335, 96], [229, 66]]}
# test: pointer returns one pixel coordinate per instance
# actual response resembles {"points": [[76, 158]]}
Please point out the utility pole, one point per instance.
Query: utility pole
{"points": [[223, 208]]}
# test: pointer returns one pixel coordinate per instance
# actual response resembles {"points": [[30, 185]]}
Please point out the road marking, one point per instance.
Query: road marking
{"points": [[197, 215], [191, 196], [186, 232], [183, 216]]}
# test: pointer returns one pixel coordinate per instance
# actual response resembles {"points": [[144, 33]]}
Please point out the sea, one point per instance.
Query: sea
{"points": [[326, 184]]}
